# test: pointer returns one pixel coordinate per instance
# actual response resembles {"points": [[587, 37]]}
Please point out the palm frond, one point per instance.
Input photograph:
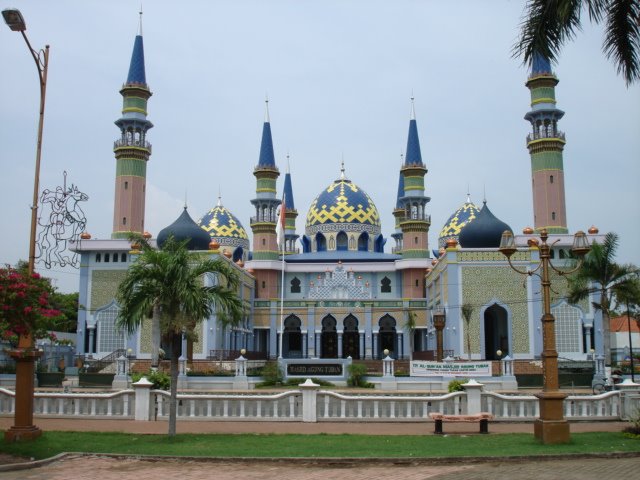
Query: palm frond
{"points": [[622, 38]]}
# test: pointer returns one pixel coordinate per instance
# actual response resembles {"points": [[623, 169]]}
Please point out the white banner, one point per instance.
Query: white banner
{"points": [[450, 369]]}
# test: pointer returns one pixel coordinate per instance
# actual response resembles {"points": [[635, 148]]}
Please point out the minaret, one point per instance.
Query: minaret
{"points": [[414, 222], [545, 145], [132, 150], [291, 214], [263, 225], [398, 211]]}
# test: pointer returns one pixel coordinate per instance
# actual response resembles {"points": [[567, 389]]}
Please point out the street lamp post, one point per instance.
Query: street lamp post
{"points": [[25, 356], [439, 321], [551, 427]]}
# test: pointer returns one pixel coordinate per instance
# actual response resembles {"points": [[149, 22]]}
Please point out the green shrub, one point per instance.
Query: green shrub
{"points": [[272, 375], [160, 380], [456, 385], [357, 372], [294, 382]]}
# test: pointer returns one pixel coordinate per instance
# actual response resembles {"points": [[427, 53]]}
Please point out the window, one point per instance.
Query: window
{"points": [[553, 215], [124, 220], [264, 242], [264, 285], [295, 285], [385, 285], [106, 257], [415, 240], [123, 257], [126, 185], [98, 257], [417, 282], [551, 179]]}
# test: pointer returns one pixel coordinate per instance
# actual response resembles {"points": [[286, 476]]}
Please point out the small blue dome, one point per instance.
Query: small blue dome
{"points": [[224, 227], [184, 228], [457, 222]]}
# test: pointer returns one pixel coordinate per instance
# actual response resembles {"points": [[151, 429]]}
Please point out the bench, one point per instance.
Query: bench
{"points": [[483, 418]]}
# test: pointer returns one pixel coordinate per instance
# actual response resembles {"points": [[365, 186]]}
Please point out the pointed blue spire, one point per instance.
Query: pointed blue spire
{"points": [[414, 157], [540, 64], [136, 67], [267, 158], [400, 191], [288, 192]]}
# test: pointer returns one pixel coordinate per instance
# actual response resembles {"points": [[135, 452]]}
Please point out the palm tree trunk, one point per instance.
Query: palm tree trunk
{"points": [[468, 343], [606, 336], [176, 344], [155, 337]]}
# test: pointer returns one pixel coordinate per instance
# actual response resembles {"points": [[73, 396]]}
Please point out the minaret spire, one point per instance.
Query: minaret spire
{"points": [[546, 144], [140, 22], [132, 150], [291, 213]]}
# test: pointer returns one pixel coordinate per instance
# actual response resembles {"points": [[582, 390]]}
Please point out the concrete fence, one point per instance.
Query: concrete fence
{"points": [[309, 403]]}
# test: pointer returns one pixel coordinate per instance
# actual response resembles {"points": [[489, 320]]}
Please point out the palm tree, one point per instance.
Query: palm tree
{"points": [[548, 24], [170, 283], [601, 275], [410, 328], [467, 312]]}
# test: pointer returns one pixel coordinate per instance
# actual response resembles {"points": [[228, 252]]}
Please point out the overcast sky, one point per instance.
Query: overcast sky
{"points": [[339, 75]]}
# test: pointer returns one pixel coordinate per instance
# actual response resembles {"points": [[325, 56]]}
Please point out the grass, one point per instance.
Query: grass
{"points": [[360, 446]]}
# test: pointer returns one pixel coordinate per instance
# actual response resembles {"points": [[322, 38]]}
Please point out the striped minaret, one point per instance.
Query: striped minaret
{"points": [[132, 150], [291, 214], [545, 145]]}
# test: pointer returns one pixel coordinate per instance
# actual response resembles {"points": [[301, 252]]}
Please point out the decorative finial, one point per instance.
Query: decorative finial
{"points": [[484, 194], [468, 194], [401, 159], [140, 24], [185, 198], [266, 108], [342, 177], [219, 197], [288, 164], [413, 107]]}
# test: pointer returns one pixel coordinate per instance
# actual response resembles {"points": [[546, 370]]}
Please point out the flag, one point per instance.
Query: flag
{"points": [[281, 222]]}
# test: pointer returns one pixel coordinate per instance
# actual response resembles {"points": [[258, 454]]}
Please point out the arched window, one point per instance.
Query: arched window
{"points": [[295, 285], [363, 242], [385, 285], [321, 243], [342, 241]]}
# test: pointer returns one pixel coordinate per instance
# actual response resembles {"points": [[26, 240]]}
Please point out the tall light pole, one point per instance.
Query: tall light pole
{"points": [[551, 427], [25, 355]]}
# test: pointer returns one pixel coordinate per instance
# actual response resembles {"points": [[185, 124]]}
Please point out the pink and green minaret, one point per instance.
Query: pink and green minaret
{"points": [[132, 151], [545, 144]]}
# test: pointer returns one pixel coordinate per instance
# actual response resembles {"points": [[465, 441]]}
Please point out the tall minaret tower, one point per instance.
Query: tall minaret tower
{"points": [[398, 211], [291, 214], [545, 145], [132, 150], [415, 222], [263, 225]]}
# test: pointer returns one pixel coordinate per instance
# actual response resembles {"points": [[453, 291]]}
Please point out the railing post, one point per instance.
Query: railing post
{"points": [[599, 375], [388, 381], [309, 400], [182, 373], [507, 366], [629, 399], [143, 399], [473, 390], [240, 381]]}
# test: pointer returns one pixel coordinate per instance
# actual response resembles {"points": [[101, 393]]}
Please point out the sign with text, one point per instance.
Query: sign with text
{"points": [[450, 369], [314, 369]]}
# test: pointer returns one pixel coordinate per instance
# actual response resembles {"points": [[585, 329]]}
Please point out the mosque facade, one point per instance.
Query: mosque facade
{"points": [[333, 291]]}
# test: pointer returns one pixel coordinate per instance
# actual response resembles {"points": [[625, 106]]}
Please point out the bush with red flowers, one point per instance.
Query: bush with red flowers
{"points": [[24, 305]]}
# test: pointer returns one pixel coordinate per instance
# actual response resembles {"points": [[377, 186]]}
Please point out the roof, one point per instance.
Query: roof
{"points": [[540, 64], [484, 232], [457, 221], [414, 156], [621, 324], [288, 192], [220, 223], [267, 158], [136, 67], [185, 228]]}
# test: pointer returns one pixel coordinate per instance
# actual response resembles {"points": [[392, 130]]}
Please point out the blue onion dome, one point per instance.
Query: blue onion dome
{"points": [[343, 207], [457, 221], [484, 232], [184, 228], [224, 227]]}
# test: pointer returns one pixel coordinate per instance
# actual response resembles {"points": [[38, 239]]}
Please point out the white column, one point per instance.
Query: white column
{"points": [[143, 399], [309, 400], [474, 396]]}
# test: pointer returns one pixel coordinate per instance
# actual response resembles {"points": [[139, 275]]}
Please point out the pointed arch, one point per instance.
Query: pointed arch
{"points": [[342, 241], [321, 242], [292, 339], [496, 329], [363, 242], [329, 337]]}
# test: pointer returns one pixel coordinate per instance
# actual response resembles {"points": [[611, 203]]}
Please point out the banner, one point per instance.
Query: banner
{"points": [[450, 369]]}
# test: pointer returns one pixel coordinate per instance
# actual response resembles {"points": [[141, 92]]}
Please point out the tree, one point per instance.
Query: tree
{"points": [[548, 24], [171, 282], [467, 312], [601, 275]]}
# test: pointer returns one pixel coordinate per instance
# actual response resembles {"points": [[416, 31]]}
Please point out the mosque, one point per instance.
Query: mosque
{"points": [[333, 291]]}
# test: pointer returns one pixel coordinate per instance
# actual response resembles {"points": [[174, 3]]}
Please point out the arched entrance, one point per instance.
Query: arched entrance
{"points": [[387, 336], [496, 332], [292, 340], [329, 338], [351, 338]]}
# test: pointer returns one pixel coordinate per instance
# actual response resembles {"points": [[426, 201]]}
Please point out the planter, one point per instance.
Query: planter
{"points": [[95, 379], [50, 379]]}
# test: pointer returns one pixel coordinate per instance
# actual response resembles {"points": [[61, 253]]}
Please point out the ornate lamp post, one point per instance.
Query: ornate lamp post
{"points": [[25, 356], [439, 321], [551, 427]]}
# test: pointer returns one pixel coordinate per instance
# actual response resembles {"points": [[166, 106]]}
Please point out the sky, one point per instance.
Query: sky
{"points": [[339, 75]]}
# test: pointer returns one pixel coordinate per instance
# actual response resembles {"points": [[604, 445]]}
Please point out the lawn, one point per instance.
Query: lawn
{"points": [[355, 446]]}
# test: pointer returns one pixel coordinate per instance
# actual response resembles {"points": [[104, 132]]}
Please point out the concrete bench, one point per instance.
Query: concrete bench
{"points": [[483, 418]]}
